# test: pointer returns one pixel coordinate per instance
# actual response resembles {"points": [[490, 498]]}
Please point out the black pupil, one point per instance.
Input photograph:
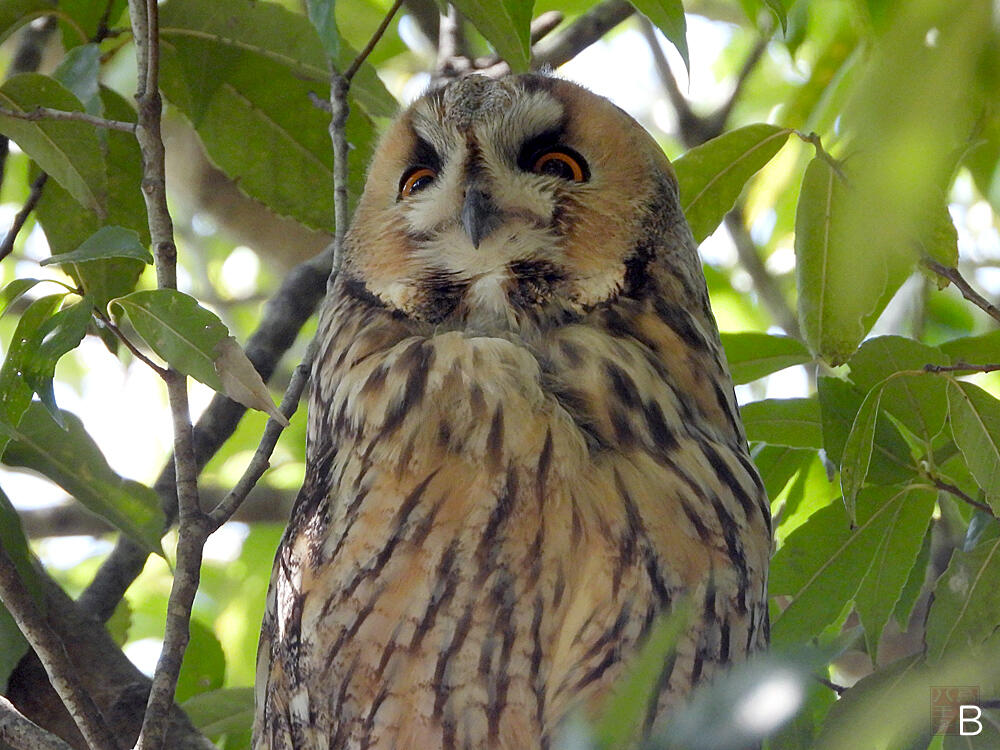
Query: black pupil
{"points": [[557, 167], [421, 182]]}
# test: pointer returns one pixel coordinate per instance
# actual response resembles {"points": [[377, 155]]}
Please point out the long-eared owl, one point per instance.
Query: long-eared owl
{"points": [[524, 444]]}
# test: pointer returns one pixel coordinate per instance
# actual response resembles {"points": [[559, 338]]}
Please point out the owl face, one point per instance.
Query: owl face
{"points": [[495, 202]]}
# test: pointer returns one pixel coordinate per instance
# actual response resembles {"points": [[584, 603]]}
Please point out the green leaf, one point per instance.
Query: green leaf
{"points": [[80, 72], [843, 282], [16, 13], [178, 329], [777, 465], [914, 586], [712, 176], [779, 11], [505, 24], [858, 449], [826, 561], [624, 710], [107, 242], [72, 459], [67, 224], [321, 13], [668, 17], [219, 712], [918, 401], [13, 542], [15, 393], [966, 605], [895, 554], [204, 665], [753, 355], [80, 19], [14, 291], [69, 151], [793, 422], [58, 335], [975, 425], [840, 403], [266, 63], [983, 349]]}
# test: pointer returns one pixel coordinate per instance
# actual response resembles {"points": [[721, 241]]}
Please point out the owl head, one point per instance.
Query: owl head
{"points": [[493, 203]]}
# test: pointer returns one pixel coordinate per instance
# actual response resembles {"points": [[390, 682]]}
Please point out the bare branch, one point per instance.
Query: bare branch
{"points": [[109, 324], [963, 286], [690, 126], [23, 734], [452, 58], [584, 31], [721, 116], [47, 113], [50, 650], [7, 246], [961, 367], [378, 33], [541, 27], [259, 463], [764, 283], [957, 492]]}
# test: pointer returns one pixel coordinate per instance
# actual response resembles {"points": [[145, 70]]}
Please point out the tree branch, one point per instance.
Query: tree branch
{"points": [[7, 246], [47, 113], [562, 47], [46, 644], [955, 277], [23, 734]]}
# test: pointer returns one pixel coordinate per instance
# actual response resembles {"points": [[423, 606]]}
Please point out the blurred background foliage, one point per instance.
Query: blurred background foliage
{"points": [[839, 161]]}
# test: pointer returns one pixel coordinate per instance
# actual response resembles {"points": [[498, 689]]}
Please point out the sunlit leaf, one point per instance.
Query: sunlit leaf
{"points": [[918, 401], [71, 459], [219, 712], [826, 561], [14, 291], [204, 665], [505, 24], [266, 64], [241, 381], [178, 329], [321, 13], [16, 13], [67, 224], [966, 605], [895, 553], [58, 335], [839, 403], [858, 449], [712, 176], [975, 425], [668, 17], [107, 242], [625, 709], [753, 355], [15, 393], [794, 422], [777, 465], [69, 151]]}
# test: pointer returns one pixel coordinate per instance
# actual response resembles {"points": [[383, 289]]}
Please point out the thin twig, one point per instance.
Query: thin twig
{"points": [[193, 526], [541, 26], [691, 127], [7, 246], [955, 277], [953, 490], [120, 335], [721, 115], [557, 49], [379, 32], [260, 461], [23, 734], [50, 650], [961, 367], [47, 113], [838, 689]]}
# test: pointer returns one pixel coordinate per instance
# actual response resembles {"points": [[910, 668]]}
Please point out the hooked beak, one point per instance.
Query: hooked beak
{"points": [[480, 215]]}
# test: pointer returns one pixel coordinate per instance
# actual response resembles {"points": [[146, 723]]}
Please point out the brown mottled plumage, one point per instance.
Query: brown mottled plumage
{"points": [[523, 441]]}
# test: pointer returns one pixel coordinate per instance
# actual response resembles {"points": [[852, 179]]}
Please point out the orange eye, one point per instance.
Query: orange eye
{"points": [[416, 181], [559, 164]]}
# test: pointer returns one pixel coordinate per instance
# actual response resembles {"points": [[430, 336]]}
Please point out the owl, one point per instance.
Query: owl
{"points": [[523, 442]]}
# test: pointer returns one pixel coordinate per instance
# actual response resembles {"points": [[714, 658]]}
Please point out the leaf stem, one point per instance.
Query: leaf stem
{"points": [[957, 492], [835, 164], [120, 335]]}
